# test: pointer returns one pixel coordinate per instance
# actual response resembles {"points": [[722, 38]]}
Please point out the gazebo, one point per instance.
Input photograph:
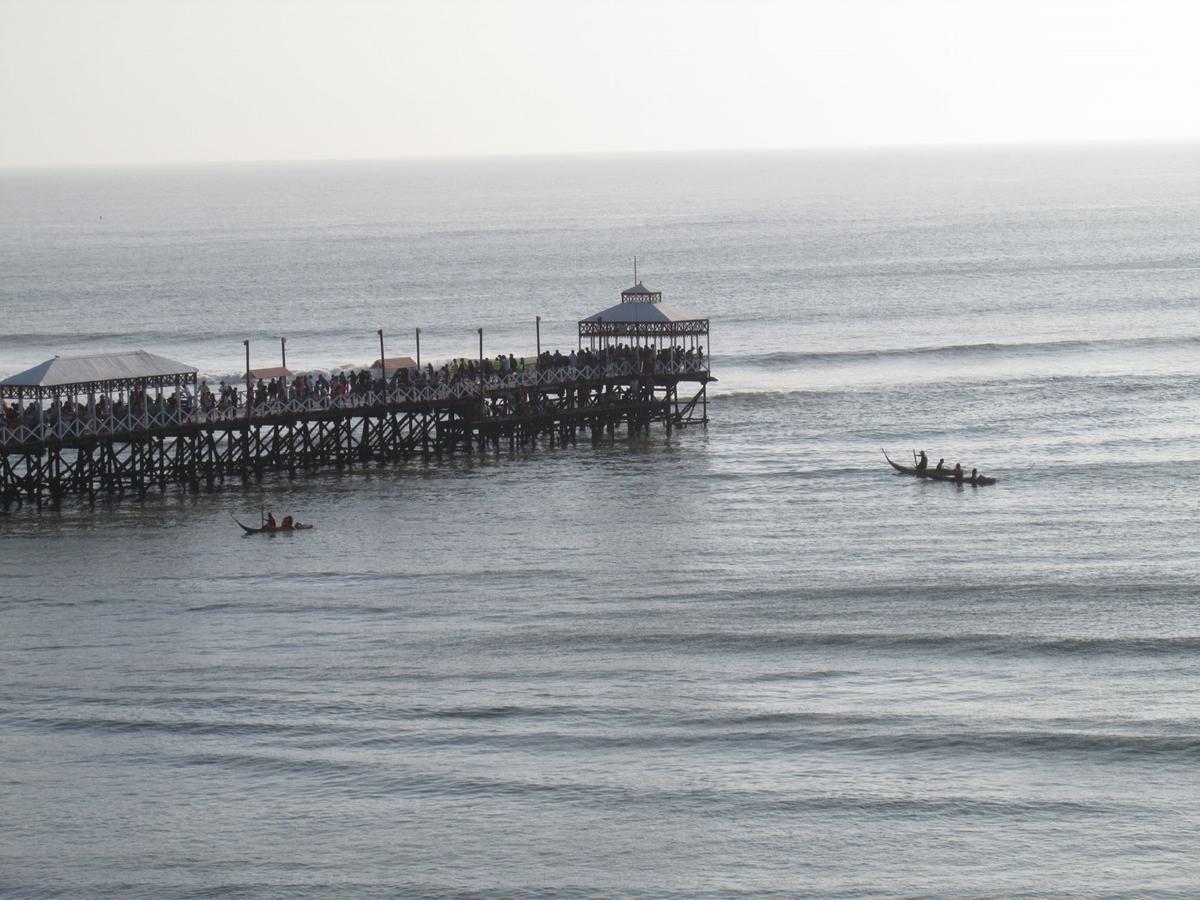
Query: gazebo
{"points": [[100, 373], [642, 318]]}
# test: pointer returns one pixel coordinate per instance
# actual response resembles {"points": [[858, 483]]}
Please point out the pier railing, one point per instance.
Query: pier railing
{"points": [[72, 427]]}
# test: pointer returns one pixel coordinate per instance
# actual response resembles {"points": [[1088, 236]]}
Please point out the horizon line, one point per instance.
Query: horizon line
{"points": [[611, 154]]}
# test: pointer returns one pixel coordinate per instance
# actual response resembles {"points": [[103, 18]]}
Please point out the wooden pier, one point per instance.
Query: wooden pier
{"points": [[91, 457], [640, 354]]}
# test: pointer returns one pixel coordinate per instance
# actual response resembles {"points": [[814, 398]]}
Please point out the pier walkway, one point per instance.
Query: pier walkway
{"points": [[88, 454]]}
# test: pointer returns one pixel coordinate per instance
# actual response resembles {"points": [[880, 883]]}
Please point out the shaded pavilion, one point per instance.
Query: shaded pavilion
{"points": [[641, 318], [70, 377], [271, 372], [396, 363]]}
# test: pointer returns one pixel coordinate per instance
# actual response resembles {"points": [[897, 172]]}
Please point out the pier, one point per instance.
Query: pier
{"points": [[105, 426]]}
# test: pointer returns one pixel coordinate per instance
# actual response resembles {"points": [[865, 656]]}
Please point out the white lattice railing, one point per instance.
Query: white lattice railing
{"points": [[72, 427]]}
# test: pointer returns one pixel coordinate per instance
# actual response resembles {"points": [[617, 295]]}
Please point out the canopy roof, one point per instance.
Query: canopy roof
{"points": [[397, 362], [643, 312], [103, 371], [272, 372]]}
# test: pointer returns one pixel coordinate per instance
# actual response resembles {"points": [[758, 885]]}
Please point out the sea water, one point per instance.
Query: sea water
{"points": [[741, 659]]}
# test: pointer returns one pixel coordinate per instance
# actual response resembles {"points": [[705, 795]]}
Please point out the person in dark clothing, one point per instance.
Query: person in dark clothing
{"points": [[923, 462]]}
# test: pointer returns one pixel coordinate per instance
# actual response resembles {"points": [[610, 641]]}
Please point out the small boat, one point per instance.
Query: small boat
{"points": [[265, 529], [940, 474]]}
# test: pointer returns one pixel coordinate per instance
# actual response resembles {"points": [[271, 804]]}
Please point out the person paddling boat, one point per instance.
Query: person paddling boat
{"points": [[942, 474], [270, 526]]}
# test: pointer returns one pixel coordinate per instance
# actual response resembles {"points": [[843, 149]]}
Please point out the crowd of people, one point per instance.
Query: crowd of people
{"points": [[580, 372], [137, 404], [575, 366], [363, 382]]}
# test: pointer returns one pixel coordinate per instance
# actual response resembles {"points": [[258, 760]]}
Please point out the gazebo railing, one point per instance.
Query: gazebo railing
{"points": [[93, 424]]}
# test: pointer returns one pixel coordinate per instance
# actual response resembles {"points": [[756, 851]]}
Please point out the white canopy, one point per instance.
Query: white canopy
{"points": [[77, 371]]}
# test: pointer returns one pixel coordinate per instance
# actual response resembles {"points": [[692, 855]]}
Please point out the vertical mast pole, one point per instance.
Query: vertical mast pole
{"points": [[247, 343], [382, 366], [482, 394]]}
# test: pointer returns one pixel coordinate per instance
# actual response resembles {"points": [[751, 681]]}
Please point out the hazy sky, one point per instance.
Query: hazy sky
{"points": [[175, 80]]}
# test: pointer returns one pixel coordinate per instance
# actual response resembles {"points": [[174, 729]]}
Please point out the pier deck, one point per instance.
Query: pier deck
{"points": [[91, 456]]}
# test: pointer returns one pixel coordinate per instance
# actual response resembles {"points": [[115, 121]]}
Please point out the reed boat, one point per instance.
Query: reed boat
{"points": [[298, 526], [939, 474]]}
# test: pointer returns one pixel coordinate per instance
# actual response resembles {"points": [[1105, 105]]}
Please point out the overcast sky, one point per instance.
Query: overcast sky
{"points": [[131, 81]]}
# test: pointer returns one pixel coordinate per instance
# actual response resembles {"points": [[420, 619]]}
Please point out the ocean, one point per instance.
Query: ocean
{"points": [[740, 660]]}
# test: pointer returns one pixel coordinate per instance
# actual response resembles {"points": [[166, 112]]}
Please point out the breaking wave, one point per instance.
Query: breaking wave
{"points": [[981, 350]]}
